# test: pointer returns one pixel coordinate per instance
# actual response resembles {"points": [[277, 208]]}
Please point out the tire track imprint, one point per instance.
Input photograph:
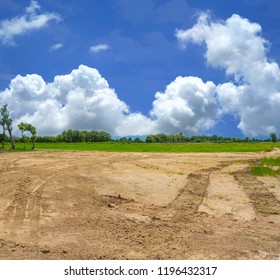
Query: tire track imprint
{"points": [[26, 204], [226, 197], [191, 196], [264, 201], [7, 165]]}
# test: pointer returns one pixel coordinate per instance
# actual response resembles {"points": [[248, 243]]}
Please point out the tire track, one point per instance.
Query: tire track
{"points": [[225, 196], [264, 201], [25, 207], [14, 214], [189, 199], [191, 196], [6, 166]]}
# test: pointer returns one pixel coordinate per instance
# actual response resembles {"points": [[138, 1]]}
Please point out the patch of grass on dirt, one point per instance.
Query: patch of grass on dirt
{"points": [[267, 167], [271, 161]]}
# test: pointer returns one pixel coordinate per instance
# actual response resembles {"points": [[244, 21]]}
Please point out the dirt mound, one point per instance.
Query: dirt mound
{"points": [[98, 205]]}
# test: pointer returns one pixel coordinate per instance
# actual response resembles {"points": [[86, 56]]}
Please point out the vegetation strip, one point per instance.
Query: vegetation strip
{"points": [[156, 147], [162, 147], [267, 167]]}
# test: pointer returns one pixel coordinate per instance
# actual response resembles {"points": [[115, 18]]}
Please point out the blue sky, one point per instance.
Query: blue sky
{"points": [[139, 67]]}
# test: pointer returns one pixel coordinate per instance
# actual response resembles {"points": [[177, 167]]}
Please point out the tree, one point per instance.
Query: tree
{"points": [[103, 136], [2, 140], [150, 139], [273, 137], [23, 127], [123, 140], [137, 140], [6, 123], [3, 135], [32, 130]]}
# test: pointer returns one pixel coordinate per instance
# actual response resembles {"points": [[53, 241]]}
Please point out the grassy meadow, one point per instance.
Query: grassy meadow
{"points": [[203, 147]]}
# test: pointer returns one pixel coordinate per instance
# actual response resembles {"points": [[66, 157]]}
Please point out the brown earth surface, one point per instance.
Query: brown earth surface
{"points": [[101, 205]]}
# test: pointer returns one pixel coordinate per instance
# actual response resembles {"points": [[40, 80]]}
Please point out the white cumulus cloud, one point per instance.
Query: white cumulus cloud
{"points": [[188, 105], [99, 48], [83, 99], [236, 45], [79, 100], [31, 20]]}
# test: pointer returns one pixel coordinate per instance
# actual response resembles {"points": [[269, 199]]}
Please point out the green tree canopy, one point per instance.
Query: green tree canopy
{"points": [[23, 127], [6, 123]]}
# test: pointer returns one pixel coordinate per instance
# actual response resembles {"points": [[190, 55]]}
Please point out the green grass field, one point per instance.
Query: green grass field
{"points": [[160, 148]]}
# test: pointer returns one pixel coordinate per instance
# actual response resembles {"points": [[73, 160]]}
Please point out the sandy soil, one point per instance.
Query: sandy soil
{"points": [[98, 205]]}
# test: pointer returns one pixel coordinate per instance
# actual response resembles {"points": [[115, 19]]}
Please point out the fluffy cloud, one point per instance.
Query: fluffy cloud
{"points": [[236, 46], [188, 105], [79, 100], [84, 100], [19, 25], [99, 48]]}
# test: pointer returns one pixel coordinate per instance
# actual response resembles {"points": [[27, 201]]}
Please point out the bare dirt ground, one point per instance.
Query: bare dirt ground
{"points": [[98, 205]]}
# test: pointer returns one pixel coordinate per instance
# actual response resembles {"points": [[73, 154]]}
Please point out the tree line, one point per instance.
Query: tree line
{"points": [[71, 136], [180, 138], [68, 136]]}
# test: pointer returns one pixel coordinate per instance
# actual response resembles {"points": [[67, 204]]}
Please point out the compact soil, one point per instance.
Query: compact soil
{"points": [[105, 205]]}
